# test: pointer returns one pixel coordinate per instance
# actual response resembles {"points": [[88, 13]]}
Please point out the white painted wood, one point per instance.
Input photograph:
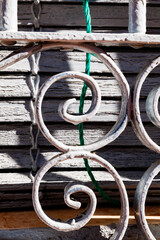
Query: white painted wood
{"points": [[62, 178], [14, 158], [19, 135], [19, 111], [57, 61], [18, 86]]}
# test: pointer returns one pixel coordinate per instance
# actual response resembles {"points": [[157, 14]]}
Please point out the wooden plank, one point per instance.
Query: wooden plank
{"points": [[18, 86], [57, 195], [102, 216], [20, 111], [19, 135], [97, 1], [142, 158], [56, 61], [59, 179], [14, 86], [15, 159], [11, 201], [29, 219], [104, 15], [72, 15]]}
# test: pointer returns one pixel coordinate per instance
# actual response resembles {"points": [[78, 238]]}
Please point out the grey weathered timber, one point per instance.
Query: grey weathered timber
{"points": [[19, 111], [17, 85], [59, 180], [75, 61], [119, 157], [18, 134], [72, 15]]}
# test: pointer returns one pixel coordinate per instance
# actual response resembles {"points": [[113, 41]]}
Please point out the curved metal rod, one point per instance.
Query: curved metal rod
{"points": [[140, 198], [63, 107], [80, 221], [152, 106], [122, 120], [19, 55], [137, 121]]}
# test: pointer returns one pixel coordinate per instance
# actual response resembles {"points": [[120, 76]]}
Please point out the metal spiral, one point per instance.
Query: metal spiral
{"points": [[73, 152], [80, 221], [121, 123], [153, 115]]}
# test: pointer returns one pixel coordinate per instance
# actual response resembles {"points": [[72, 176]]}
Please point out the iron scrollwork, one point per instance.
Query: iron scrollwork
{"points": [[73, 152], [154, 169]]}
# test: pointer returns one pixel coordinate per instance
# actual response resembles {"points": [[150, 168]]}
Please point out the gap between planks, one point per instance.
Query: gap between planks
{"points": [[102, 216]]}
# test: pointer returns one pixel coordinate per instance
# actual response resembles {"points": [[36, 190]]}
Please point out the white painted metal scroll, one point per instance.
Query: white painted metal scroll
{"points": [[9, 15], [137, 30], [154, 169], [137, 16], [72, 152]]}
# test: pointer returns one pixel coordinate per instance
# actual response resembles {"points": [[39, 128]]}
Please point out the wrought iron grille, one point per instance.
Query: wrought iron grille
{"points": [[38, 41]]}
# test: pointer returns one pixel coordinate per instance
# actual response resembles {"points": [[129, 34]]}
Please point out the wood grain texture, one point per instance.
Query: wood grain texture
{"points": [[102, 216], [71, 14], [19, 135], [17, 85], [58, 180], [14, 220], [97, 1], [13, 158], [57, 61], [20, 111]]}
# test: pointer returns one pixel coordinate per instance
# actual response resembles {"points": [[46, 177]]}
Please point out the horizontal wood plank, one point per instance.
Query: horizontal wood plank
{"points": [[102, 216], [58, 180], [16, 188], [97, 1], [19, 135], [20, 111], [142, 158], [18, 86], [57, 61], [72, 15]]}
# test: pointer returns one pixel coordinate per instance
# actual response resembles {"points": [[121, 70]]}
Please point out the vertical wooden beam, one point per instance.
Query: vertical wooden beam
{"points": [[137, 16], [9, 15]]}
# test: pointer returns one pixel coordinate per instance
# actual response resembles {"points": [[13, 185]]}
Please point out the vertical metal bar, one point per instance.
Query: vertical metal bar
{"points": [[9, 17], [137, 16]]}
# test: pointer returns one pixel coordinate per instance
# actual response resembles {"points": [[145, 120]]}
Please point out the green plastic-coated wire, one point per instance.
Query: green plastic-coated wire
{"points": [[82, 98]]}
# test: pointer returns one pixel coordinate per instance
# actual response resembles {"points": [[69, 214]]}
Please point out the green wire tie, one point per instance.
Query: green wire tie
{"points": [[82, 98]]}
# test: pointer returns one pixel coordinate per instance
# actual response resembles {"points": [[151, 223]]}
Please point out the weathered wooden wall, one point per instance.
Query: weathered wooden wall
{"points": [[127, 154]]}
